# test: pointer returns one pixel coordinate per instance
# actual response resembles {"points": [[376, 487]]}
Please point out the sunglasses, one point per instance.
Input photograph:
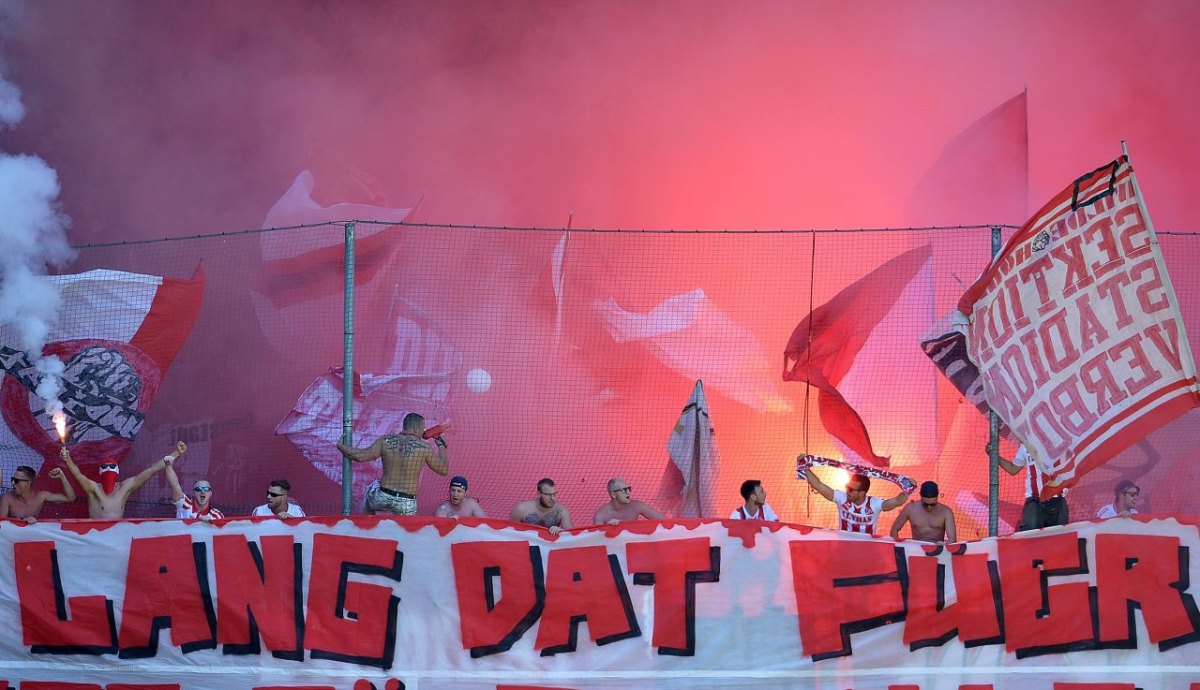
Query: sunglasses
{"points": [[18, 480], [625, 489], [108, 466], [272, 494], [205, 489]]}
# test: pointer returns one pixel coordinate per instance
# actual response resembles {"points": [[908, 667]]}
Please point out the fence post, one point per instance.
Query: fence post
{"points": [[994, 440], [348, 371]]}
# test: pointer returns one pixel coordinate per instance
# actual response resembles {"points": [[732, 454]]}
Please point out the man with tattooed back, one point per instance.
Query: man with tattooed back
{"points": [[404, 456]]}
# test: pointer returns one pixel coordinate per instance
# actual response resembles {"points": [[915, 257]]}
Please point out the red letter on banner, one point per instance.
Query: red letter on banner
{"points": [[352, 621], [584, 583], [673, 568], [1061, 620], [489, 626], [44, 606], [843, 587], [162, 587], [258, 592], [1142, 571], [57, 685], [975, 616]]}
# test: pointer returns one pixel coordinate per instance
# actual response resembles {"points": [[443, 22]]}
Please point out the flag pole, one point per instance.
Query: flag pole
{"points": [[348, 370], [994, 438]]}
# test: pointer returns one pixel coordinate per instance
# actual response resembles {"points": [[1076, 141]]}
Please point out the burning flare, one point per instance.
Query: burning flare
{"points": [[60, 425]]}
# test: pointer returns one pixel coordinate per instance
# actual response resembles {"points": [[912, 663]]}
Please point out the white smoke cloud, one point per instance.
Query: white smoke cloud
{"points": [[33, 238]]}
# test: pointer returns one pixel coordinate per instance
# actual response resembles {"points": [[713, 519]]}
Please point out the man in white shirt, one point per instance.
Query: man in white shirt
{"points": [[1125, 499], [755, 507], [857, 512], [1036, 513], [197, 507], [277, 502]]}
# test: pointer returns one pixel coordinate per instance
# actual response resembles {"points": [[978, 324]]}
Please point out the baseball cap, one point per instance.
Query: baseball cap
{"points": [[929, 490], [459, 480]]}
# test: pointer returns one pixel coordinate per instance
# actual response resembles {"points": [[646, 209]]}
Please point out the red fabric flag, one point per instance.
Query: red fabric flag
{"points": [[824, 345], [982, 174], [117, 333]]}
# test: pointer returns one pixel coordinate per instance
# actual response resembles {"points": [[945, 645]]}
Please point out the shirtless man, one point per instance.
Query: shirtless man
{"points": [[106, 501], [930, 520], [404, 455], [621, 506], [24, 503], [543, 510], [460, 504]]}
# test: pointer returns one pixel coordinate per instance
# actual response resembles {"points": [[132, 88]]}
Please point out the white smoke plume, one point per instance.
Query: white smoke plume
{"points": [[33, 238]]}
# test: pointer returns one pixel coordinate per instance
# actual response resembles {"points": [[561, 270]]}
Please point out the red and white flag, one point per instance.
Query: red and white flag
{"points": [[1077, 332], [692, 336], [117, 333], [692, 447]]}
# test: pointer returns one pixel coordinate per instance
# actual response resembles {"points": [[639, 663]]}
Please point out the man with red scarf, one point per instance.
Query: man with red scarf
{"points": [[106, 499]]}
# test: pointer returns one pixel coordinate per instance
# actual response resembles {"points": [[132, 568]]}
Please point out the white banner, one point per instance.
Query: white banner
{"points": [[1076, 330], [369, 602]]}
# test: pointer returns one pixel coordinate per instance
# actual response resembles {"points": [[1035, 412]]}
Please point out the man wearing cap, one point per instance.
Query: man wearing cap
{"points": [[199, 505], [857, 512], [459, 505], [106, 498], [930, 521], [277, 502], [622, 506]]}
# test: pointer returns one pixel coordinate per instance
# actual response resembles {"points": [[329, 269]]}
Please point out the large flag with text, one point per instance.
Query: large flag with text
{"points": [[1076, 330], [117, 334]]}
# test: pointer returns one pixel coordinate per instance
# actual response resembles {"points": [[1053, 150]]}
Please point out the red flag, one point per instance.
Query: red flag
{"points": [[117, 333], [981, 175], [824, 345], [1077, 332]]}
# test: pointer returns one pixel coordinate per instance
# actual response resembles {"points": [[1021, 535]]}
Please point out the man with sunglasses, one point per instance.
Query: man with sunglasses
{"points": [[622, 506], [106, 499], [277, 502], [857, 512], [24, 503], [1125, 499], [199, 505]]}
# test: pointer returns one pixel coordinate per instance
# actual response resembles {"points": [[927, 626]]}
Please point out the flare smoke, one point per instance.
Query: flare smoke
{"points": [[33, 235]]}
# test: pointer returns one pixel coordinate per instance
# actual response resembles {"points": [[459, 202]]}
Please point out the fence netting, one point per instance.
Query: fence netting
{"points": [[571, 354]]}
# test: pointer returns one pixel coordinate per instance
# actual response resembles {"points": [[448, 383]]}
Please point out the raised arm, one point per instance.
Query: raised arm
{"points": [[371, 452], [68, 491], [144, 476], [899, 523], [89, 487], [895, 501], [1005, 464], [439, 463], [172, 478], [819, 486]]}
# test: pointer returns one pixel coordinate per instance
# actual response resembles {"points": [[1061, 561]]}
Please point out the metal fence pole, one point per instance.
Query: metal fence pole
{"points": [[348, 371], [994, 440]]}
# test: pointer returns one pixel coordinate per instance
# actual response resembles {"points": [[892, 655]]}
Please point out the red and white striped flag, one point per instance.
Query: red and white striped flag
{"points": [[1077, 332]]}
